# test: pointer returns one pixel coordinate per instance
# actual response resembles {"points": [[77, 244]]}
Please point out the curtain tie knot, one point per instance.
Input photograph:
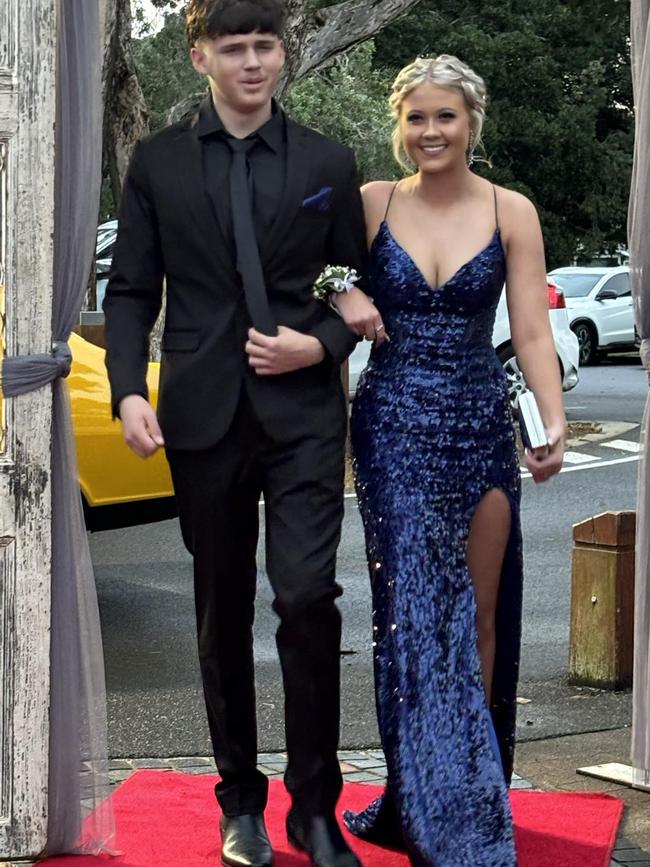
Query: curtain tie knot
{"points": [[62, 354]]}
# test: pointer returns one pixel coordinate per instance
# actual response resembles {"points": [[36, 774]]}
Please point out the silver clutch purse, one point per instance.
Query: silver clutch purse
{"points": [[533, 434]]}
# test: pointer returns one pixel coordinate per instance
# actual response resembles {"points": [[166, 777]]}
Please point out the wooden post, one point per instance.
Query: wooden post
{"points": [[602, 601], [27, 158]]}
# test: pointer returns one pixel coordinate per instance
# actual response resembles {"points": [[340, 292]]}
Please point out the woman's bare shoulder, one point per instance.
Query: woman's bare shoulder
{"points": [[514, 206], [518, 219], [377, 193]]}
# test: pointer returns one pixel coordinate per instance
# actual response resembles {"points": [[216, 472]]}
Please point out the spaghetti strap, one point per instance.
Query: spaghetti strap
{"points": [[496, 207], [390, 199]]}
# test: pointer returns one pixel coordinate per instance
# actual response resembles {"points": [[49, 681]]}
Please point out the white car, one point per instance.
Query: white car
{"points": [[599, 303], [566, 345], [106, 235]]}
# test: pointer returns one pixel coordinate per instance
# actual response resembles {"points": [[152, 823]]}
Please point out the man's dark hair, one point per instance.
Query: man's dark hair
{"points": [[212, 18]]}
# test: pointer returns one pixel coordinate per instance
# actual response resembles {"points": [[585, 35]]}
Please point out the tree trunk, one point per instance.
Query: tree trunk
{"points": [[126, 119]]}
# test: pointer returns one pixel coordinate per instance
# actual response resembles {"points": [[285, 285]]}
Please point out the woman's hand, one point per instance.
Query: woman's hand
{"points": [[547, 461], [360, 315]]}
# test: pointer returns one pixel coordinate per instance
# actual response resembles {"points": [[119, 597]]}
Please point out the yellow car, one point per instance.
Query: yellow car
{"points": [[119, 489]]}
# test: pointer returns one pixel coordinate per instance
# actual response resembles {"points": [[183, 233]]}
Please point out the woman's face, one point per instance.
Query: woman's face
{"points": [[435, 127]]}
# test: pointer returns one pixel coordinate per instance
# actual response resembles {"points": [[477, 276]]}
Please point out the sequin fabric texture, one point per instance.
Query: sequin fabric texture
{"points": [[432, 433]]}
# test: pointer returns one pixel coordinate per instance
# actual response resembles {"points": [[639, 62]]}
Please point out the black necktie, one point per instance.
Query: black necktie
{"points": [[248, 262]]}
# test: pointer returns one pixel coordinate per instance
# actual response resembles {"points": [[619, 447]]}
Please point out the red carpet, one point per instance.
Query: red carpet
{"points": [[168, 819]]}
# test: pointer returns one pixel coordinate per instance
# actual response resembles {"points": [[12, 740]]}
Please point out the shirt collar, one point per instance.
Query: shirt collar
{"points": [[271, 133]]}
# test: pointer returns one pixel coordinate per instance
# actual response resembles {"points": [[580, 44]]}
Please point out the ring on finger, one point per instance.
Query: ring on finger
{"points": [[379, 328]]}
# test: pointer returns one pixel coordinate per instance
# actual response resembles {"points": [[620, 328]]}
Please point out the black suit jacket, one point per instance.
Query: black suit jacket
{"points": [[168, 231]]}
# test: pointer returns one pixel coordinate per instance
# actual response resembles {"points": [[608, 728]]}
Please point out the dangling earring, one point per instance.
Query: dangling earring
{"points": [[470, 149]]}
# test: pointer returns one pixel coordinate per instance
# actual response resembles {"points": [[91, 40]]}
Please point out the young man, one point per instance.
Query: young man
{"points": [[239, 210]]}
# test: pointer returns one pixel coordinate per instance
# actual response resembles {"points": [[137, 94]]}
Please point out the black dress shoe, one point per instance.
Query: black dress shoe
{"points": [[321, 838], [245, 842]]}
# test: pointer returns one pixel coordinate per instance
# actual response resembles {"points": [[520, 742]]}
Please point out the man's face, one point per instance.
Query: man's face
{"points": [[244, 68]]}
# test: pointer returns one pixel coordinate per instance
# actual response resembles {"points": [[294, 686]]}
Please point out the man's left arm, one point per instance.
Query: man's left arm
{"points": [[346, 245], [331, 337]]}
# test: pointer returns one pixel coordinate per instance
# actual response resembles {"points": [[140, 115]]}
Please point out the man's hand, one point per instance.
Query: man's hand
{"points": [[290, 350], [140, 426], [360, 315]]}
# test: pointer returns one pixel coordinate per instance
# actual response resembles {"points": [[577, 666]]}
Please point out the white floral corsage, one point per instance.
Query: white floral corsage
{"points": [[333, 280]]}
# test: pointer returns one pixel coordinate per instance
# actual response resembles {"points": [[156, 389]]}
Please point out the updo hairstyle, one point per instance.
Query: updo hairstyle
{"points": [[443, 71]]}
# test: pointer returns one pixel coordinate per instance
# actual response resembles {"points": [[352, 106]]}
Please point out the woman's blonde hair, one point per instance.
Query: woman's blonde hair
{"points": [[443, 71]]}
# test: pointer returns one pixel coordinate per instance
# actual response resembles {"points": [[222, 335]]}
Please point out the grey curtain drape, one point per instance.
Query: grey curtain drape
{"points": [[639, 244], [80, 817]]}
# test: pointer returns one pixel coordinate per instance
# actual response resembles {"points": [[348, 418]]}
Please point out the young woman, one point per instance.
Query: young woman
{"points": [[437, 471]]}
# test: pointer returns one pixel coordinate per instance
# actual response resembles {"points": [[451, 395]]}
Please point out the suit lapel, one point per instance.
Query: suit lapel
{"points": [[189, 166], [296, 177]]}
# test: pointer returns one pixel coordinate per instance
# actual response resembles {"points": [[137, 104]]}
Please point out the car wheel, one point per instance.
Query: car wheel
{"points": [[514, 376], [587, 343]]}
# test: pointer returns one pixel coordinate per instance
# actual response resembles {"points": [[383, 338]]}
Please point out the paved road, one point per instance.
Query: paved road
{"points": [[144, 580], [614, 390]]}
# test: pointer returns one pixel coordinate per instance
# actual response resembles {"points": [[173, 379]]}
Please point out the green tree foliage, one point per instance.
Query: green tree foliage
{"points": [[164, 69], [347, 102], [560, 126]]}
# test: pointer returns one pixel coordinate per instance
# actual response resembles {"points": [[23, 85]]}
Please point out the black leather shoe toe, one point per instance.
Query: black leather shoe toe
{"points": [[321, 838], [245, 841]]}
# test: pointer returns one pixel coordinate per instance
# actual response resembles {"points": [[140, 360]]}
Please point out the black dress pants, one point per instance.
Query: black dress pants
{"points": [[218, 492]]}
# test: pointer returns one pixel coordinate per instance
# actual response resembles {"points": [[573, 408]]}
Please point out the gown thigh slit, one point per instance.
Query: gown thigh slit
{"points": [[432, 434]]}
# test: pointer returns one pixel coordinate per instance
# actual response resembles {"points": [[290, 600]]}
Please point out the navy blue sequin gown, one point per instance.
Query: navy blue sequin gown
{"points": [[432, 433]]}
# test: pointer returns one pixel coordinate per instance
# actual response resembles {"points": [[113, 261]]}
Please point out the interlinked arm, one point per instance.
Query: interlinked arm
{"points": [[346, 246], [356, 308]]}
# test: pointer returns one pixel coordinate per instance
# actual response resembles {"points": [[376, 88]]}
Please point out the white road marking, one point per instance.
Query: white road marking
{"points": [[579, 458], [623, 445], [595, 466]]}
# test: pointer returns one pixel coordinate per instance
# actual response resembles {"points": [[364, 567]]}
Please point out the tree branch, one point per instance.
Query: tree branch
{"points": [[338, 28]]}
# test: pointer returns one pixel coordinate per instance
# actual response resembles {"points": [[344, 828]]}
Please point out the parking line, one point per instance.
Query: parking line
{"points": [[623, 445], [579, 458], [595, 466], [602, 463]]}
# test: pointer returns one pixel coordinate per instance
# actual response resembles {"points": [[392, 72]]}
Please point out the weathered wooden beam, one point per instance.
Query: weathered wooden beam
{"points": [[27, 136]]}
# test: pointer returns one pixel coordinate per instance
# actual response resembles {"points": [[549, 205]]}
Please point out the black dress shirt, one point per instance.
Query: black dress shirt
{"points": [[267, 161]]}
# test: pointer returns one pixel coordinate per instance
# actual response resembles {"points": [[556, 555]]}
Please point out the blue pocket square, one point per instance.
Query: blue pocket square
{"points": [[320, 201]]}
